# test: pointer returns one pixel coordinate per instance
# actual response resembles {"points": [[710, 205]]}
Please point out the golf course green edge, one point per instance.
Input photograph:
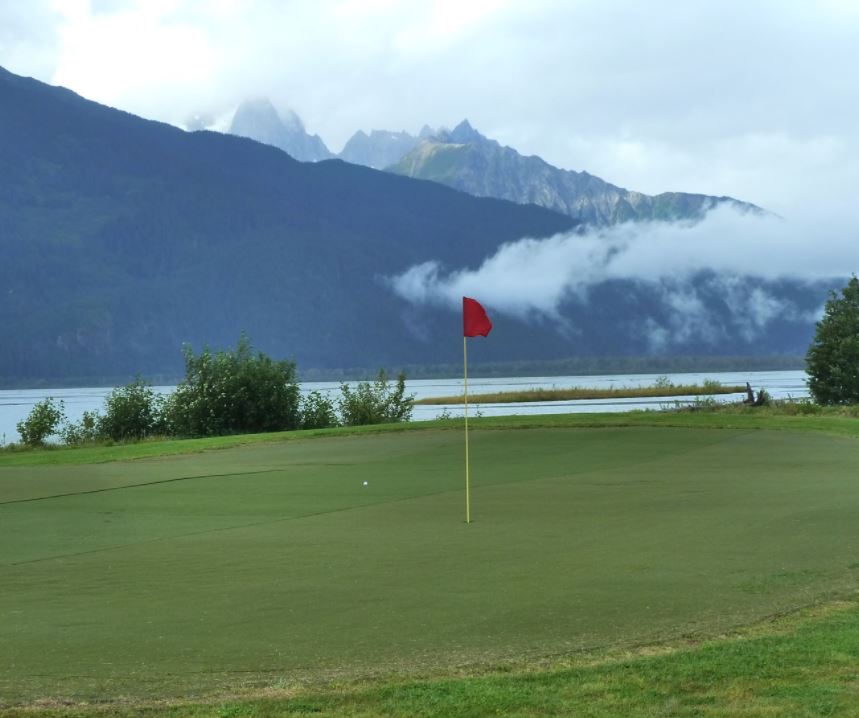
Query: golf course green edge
{"points": [[803, 664], [741, 418], [799, 662]]}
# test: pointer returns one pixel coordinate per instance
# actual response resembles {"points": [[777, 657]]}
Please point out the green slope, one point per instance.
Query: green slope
{"points": [[470, 162], [123, 238], [271, 563]]}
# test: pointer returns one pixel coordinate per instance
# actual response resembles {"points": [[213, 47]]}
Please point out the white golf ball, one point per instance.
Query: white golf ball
{"points": [[366, 483]]}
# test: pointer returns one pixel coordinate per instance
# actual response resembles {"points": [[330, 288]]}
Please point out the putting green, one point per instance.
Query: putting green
{"points": [[270, 563]]}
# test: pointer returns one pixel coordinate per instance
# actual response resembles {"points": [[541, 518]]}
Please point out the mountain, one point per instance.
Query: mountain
{"points": [[121, 239], [260, 121], [468, 161], [380, 148]]}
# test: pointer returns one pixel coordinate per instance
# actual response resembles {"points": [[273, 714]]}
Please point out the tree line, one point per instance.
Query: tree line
{"points": [[233, 392], [225, 392]]}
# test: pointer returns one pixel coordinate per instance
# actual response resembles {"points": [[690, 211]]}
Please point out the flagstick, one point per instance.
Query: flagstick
{"points": [[467, 484]]}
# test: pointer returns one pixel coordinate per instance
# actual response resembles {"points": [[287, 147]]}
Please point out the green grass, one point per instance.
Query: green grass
{"points": [[268, 564], [803, 666], [782, 416], [577, 392]]}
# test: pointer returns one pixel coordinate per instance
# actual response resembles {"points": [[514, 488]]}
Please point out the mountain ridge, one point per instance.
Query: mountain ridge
{"points": [[259, 120], [124, 238], [467, 160]]}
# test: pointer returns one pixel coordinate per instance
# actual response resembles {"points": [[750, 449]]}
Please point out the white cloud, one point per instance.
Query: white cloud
{"points": [[731, 255], [752, 100]]}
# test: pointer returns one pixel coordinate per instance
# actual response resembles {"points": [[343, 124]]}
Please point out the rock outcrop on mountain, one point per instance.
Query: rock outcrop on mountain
{"points": [[379, 149], [260, 121], [466, 160]]}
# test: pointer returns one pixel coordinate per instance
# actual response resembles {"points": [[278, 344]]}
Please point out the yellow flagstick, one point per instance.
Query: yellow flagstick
{"points": [[467, 484]]}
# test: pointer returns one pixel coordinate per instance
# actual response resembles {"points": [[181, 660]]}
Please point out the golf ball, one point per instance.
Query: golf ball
{"points": [[366, 483]]}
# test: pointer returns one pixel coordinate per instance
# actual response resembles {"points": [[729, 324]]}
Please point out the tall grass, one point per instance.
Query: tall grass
{"points": [[659, 389]]}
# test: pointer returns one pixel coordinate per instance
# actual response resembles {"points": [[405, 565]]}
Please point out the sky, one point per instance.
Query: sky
{"points": [[752, 99]]}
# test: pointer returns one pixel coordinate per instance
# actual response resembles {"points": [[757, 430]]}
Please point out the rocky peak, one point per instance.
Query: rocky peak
{"points": [[259, 120], [462, 134], [379, 149]]}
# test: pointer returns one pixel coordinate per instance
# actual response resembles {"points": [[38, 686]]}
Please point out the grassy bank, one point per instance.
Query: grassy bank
{"points": [[780, 416], [803, 665], [270, 565], [575, 392]]}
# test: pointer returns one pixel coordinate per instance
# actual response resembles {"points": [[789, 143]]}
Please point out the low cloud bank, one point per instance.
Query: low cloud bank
{"points": [[743, 259]]}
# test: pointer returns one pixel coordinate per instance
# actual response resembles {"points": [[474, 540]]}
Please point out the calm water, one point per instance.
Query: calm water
{"points": [[15, 405]]}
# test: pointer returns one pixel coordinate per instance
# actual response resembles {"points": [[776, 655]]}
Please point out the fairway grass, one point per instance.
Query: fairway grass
{"points": [[830, 420], [270, 564], [803, 665]]}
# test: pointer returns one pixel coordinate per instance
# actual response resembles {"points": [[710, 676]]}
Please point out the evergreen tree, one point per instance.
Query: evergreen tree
{"points": [[833, 357]]}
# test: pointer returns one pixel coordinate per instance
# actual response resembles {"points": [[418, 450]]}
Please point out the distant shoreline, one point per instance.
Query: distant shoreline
{"points": [[584, 393], [572, 366]]}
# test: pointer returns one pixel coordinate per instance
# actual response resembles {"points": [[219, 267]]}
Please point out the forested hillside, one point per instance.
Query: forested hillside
{"points": [[123, 238]]}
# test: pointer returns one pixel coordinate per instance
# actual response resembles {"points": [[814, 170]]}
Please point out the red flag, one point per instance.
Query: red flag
{"points": [[474, 319]]}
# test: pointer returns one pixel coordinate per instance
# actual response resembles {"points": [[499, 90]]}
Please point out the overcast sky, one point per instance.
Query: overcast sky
{"points": [[756, 100]]}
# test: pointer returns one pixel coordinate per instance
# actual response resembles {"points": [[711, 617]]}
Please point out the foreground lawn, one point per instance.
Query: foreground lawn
{"points": [[802, 666], [270, 564]]}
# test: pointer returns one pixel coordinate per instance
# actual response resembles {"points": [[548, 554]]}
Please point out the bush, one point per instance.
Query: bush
{"points": [[764, 398], [376, 403], [43, 420], [130, 412], [233, 392], [84, 431], [662, 382], [711, 386], [705, 403], [832, 361], [798, 407], [317, 411]]}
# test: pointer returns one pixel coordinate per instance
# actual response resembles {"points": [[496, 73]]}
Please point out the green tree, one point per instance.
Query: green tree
{"points": [[832, 361], [233, 392], [44, 420], [376, 403], [130, 412], [317, 411], [84, 431]]}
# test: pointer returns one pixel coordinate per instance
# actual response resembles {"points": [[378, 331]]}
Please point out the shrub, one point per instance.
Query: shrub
{"points": [[764, 398], [44, 420], [705, 403], [832, 361], [801, 407], [662, 382], [317, 411], [84, 431], [711, 386], [376, 403], [130, 412], [232, 392]]}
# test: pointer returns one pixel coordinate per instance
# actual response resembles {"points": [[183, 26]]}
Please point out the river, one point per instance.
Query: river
{"points": [[16, 404]]}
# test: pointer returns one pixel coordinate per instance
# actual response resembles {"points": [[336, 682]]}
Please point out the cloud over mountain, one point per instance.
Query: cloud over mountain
{"points": [[746, 263]]}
